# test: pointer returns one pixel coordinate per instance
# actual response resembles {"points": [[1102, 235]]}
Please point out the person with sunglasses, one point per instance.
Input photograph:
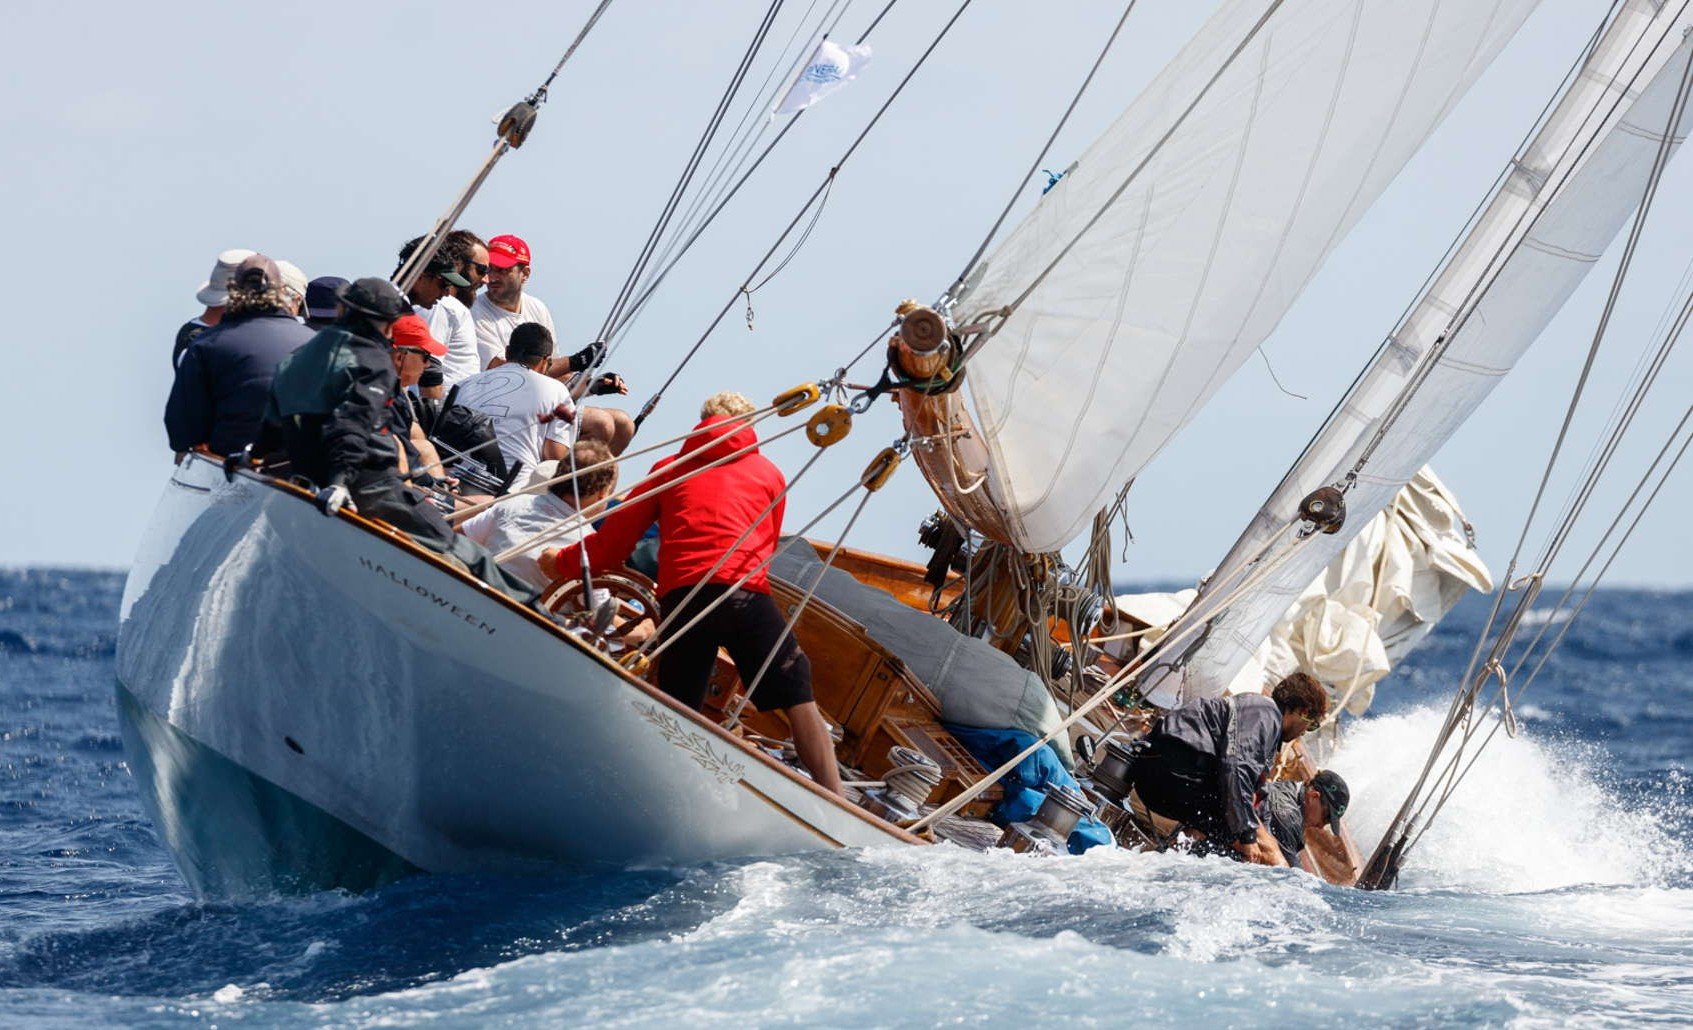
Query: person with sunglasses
{"points": [[1203, 764]]}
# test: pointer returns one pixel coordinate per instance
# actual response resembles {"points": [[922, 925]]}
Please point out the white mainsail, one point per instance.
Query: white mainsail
{"points": [[1565, 199], [1187, 230]]}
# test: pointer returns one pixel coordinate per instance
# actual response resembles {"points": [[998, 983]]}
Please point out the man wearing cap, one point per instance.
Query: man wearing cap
{"points": [[213, 293], [467, 250], [450, 321], [1295, 809], [322, 307], [414, 347], [330, 406], [503, 306], [295, 283], [224, 375]]}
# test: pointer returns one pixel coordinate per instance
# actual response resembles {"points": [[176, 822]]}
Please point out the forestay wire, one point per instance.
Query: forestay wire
{"points": [[1419, 808]]}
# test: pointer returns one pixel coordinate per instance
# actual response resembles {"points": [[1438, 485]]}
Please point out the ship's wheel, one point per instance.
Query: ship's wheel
{"points": [[635, 594]]}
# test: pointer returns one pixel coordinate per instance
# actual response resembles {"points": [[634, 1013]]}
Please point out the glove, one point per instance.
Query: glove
{"points": [[241, 459], [332, 499], [587, 356], [610, 382]]}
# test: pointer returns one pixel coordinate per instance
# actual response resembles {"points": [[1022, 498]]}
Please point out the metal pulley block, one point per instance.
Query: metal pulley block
{"points": [[829, 425], [1324, 508], [797, 399], [516, 123]]}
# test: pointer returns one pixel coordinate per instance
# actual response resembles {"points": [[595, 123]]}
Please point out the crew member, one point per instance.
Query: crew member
{"points": [[1293, 809], [330, 406], [700, 519], [223, 378], [213, 295], [1204, 762]]}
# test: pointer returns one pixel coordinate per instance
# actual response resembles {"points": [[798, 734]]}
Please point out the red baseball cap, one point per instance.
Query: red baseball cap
{"points": [[506, 251], [412, 331]]}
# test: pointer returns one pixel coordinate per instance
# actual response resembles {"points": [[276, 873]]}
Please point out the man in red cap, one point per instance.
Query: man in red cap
{"points": [[503, 306], [414, 345]]}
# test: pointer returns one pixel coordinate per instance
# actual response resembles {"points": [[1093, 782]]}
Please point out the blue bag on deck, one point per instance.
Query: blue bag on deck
{"points": [[1024, 784]]}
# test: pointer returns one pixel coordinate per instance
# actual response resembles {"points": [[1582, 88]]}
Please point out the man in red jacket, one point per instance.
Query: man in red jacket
{"points": [[698, 521]]}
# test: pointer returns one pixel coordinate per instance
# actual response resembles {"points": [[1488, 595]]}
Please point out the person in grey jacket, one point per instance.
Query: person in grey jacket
{"points": [[1203, 763]]}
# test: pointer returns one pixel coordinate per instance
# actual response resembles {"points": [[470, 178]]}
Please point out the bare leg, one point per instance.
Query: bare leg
{"points": [[610, 426], [816, 749]]}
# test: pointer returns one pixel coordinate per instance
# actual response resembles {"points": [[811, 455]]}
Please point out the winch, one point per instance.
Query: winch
{"points": [[1111, 770], [907, 785], [1112, 781], [1048, 831]]}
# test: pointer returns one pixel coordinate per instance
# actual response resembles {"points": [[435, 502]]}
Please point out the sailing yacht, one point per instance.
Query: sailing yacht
{"points": [[313, 702]]}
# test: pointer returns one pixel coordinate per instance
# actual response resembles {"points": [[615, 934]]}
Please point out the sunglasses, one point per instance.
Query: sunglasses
{"points": [[480, 269]]}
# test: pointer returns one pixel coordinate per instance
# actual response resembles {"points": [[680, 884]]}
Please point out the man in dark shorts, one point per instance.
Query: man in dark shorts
{"points": [[1291, 808], [699, 521], [1204, 762]]}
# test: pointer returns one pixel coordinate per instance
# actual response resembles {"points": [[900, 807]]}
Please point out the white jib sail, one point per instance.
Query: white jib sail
{"points": [[1217, 194], [1565, 199]]}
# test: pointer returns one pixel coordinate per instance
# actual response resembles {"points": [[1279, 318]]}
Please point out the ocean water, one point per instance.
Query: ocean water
{"points": [[1556, 889]]}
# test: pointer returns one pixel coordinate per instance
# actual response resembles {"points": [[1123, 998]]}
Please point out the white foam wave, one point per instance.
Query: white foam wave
{"points": [[1531, 815]]}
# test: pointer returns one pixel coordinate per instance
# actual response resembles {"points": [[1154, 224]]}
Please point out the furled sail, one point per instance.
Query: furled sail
{"points": [[1151, 271], [1565, 198]]}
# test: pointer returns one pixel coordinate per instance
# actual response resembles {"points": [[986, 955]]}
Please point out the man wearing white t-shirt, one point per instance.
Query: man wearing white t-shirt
{"points": [[533, 414], [449, 321], [503, 306]]}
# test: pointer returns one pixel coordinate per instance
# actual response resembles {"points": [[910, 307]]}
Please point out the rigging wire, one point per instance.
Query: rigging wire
{"points": [[1463, 702], [1034, 166], [748, 131], [700, 149], [513, 130], [658, 395], [639, 303], [1140, 166], [1457, 775], [1456, 241]]}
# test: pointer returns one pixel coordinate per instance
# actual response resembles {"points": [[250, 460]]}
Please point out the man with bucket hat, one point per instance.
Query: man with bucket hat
{"points": [[223, 378], [330, 408], [212, 295]]}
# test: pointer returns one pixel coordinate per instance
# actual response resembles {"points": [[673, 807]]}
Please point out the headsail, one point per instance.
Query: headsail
{"points": [[1565, 199], [1187, 230]]}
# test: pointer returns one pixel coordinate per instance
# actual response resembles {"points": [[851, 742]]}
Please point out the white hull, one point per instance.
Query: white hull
{"points": [[310, 703]]}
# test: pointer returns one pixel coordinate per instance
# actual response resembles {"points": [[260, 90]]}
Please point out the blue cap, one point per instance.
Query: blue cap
{"points": [[322, 296]]}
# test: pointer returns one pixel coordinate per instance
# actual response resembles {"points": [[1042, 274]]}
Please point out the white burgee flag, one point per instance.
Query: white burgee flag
{"points": [[830, 67]]}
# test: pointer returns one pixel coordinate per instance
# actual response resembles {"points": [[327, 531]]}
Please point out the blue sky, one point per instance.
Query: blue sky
{"points": [[142, 139]]}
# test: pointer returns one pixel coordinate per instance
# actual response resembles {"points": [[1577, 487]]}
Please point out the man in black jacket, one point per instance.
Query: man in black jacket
{"points": [[1205, 761], [223, 378], [329, 407]]}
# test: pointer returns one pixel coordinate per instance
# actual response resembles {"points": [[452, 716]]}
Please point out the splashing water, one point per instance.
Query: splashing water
{"points": [[1553, 890], [1530, 815]]}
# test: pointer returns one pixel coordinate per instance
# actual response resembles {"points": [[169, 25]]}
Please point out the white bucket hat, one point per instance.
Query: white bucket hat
{"points": [[214, 292]]}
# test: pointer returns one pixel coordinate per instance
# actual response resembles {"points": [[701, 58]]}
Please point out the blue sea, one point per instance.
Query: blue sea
{"points": [[1556, 889]]}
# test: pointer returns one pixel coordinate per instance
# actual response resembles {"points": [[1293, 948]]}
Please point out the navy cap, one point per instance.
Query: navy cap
{"points": [[322, 294], [1336, 796]]}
